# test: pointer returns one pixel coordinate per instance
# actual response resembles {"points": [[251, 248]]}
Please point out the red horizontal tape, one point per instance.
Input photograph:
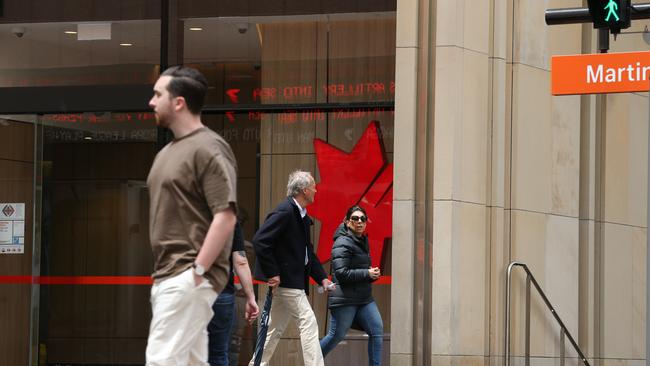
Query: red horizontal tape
{"points": [[110, 280], [77, 280]]}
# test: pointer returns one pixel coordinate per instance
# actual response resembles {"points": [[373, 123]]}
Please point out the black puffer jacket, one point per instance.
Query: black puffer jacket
{"points": [[350, 263]]}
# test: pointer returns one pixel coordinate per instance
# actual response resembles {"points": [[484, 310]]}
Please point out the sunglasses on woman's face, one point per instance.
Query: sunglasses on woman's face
{"points": [[358, 218]]}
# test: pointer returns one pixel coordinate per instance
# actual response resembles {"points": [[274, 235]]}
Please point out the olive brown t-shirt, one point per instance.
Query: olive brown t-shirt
{"points": [[192, 178]]}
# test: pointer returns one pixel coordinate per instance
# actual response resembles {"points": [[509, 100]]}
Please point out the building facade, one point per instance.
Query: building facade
{"points": [[490, 168], [436, 115]]}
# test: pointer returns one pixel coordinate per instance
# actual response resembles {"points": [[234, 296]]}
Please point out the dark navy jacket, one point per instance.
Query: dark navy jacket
{"points": [[280, 248]]}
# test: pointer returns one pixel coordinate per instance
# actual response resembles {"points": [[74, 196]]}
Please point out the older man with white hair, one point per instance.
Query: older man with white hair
{"points": [[286, 260]]}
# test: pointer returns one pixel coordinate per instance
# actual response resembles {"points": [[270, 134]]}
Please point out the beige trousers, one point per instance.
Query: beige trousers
{"points": [[181, 312], [290, 304]]}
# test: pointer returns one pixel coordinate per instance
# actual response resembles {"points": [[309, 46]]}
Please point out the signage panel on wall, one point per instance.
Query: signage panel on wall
{"points": [[600, 73], [12, 228]]}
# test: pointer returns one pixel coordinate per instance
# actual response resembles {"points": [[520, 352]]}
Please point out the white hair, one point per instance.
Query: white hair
{"points": [[298, 180]]}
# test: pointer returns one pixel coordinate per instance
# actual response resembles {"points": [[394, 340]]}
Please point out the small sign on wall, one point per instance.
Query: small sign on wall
{"points": [[12, 228]]}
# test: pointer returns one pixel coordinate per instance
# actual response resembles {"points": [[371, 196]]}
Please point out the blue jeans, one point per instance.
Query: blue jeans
{"points": [[367, 316], [220, 329]]}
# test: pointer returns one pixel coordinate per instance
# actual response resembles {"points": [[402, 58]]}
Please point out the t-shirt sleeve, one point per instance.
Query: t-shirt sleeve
{"points": [[238, 240], [219, 184]]}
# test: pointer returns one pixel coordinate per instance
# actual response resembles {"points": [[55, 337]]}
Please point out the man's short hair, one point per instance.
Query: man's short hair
{"points": [[188, 83], [298, 181]]}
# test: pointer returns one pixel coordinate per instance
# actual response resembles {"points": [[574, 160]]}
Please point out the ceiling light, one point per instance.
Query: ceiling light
{"points": [[196, 28], [70, 32], [88, 138], [94, 31], [126, 44]]}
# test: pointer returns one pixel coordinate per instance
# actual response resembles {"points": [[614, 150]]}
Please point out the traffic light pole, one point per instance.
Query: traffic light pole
{"points": [[581, 15], [603, 40], [647, 255]]}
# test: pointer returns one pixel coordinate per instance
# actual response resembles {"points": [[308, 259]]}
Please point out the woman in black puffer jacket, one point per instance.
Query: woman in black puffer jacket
{"points": [[351, 300]]}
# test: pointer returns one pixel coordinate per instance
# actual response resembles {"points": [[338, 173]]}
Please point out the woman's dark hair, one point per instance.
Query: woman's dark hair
{"points": [[188, 83], [352, 209]]}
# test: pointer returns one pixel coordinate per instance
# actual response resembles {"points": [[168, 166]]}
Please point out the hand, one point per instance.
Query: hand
{"points": [[252, 310], [274, 282], [374, 272], [328, 285], [197, 279]]}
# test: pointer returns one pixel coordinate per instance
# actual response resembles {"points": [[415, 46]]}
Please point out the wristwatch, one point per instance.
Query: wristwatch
{"points": [[198, 269]]}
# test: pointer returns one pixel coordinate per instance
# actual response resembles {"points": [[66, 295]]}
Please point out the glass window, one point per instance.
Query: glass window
{"points": [[293, 85], [283, 84], [335, 58], [87, 203], [95, 237], [85, 52]]}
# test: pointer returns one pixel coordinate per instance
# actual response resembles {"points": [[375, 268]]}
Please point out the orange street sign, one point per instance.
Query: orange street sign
{"points": [[600, 73]]}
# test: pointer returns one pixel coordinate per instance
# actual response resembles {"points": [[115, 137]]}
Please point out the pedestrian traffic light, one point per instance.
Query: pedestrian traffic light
{"points": [[612, 14]]}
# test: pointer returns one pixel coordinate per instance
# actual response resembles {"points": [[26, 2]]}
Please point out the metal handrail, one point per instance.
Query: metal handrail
{"points": [[564, 331]]}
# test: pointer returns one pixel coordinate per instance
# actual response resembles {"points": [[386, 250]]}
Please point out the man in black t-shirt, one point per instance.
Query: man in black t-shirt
{"points": [[221, 325]]}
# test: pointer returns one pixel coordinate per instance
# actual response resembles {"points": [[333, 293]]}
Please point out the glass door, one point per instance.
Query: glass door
{"points": [[95, 256], [17, 215]]}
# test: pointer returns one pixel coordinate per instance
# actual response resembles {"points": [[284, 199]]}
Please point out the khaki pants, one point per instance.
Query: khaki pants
{"points": [[290, 304], [181, 312]]}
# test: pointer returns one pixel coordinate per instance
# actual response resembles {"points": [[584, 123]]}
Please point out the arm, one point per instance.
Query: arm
{"points": [[243, 271], [218, 234], [341, 266], [264, 243], [217, 182]]}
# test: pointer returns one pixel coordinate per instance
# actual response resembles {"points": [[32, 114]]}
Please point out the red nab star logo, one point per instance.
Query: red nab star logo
{"points": [[232, 95], [361, 177]]}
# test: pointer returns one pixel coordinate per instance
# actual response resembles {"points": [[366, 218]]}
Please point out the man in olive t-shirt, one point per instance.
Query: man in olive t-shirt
{"points": [[192, 191]]}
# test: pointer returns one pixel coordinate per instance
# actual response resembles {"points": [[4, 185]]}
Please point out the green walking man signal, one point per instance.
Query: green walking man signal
{"points": [[611, 14], [612, 8]]}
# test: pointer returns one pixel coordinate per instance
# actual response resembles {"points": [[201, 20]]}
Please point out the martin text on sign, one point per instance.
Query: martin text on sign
{"points": [[600, 73]]}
